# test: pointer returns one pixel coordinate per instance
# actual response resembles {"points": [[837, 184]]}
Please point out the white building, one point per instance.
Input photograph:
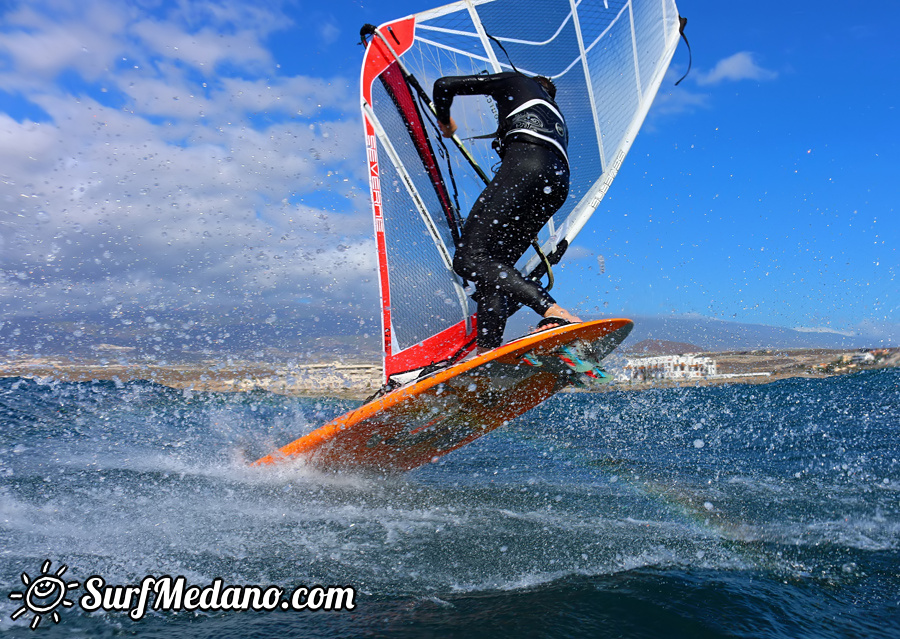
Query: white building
{"points": [[860, 358], [669, 367]]}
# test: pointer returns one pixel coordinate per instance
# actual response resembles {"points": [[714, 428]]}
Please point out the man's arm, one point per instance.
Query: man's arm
{"points": [[446, 88]]}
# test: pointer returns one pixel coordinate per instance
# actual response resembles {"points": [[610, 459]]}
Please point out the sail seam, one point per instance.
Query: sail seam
{"points": [[634, 53], [593, 44], [589, 85], [476, 21], [535, 43]]}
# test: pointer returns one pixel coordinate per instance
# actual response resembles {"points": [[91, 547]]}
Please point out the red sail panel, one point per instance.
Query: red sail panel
{"points": [[396, 85]]}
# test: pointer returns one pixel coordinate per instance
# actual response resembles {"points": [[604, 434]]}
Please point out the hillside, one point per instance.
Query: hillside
{"points": [[650, 347]]}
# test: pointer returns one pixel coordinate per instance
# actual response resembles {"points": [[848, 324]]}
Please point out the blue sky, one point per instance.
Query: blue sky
{"points": [[208, 156]]}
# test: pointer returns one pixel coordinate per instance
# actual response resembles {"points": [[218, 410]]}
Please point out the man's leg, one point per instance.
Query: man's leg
{"points": [[493, 311], [498, 231]]}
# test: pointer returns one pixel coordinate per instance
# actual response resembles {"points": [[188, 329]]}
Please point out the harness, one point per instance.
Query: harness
{"points": [[536, 121]]}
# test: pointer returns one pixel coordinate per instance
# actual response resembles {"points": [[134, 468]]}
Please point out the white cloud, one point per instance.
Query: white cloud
{"points": [[83, 36], [740, 66], [329, 32], [824, 329], [672, 100], [676, 100], [204, 49], [224, 186]]}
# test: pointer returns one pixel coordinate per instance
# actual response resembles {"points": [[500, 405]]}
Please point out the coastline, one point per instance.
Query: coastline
{"points": [[346, 381], [359, 380]]}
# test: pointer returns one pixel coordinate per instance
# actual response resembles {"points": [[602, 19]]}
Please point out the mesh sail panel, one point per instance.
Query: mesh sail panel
{"points": [[424, 300]]}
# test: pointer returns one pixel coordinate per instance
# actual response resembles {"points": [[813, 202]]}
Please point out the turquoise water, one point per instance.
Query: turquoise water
{"points": [[730, 511]]}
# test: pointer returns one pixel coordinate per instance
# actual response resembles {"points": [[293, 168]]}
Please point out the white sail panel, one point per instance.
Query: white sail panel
{"points": [[606, 58]]}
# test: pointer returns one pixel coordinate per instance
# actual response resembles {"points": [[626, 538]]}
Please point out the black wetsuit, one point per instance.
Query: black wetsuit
{"points": [[531, 184]]}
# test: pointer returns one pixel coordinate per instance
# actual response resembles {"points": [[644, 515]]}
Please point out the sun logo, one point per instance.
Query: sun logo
{"points": [[43, 595]]}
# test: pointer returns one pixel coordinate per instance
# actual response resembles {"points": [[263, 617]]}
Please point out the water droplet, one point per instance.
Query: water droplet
{"points": [[547, 189], [699, 443]]}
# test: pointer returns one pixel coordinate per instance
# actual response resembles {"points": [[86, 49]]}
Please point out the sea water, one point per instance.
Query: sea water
{"points": [[729, 511]]}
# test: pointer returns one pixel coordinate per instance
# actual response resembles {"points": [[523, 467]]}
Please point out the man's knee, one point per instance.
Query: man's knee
{"points": [[465, 264]]}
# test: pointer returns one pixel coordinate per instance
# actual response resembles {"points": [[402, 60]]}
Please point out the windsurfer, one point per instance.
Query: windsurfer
{"points": [[531, 184]]}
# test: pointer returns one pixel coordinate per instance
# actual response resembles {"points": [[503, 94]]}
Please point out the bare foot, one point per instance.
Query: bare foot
{"points": [[558, 311]]}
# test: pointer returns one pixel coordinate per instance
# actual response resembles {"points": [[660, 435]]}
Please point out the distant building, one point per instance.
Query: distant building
{"points": [[860, 358], [669, 367]]}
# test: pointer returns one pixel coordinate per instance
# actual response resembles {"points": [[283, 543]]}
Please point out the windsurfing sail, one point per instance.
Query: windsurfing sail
{"points": [[607, 59]]}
